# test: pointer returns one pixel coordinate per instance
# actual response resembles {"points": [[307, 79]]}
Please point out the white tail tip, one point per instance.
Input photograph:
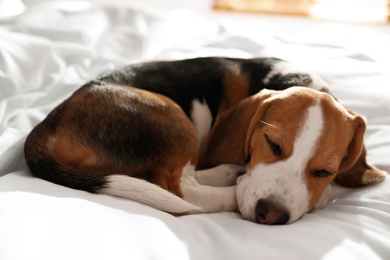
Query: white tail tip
{"points": [[148, 193]]}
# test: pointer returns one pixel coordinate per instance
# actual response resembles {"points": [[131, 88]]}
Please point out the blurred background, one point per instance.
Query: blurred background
{"points": [[351, 11]]}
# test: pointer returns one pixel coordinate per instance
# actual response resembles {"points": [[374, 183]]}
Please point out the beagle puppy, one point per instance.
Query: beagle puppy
{"points": [[175, 135]]}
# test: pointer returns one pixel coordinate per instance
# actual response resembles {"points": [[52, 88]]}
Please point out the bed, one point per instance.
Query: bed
{"points": [[49, 50]]}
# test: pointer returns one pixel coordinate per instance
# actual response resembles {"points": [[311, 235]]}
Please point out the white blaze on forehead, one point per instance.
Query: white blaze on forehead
{"points": [[307, 139], [284, 181]]}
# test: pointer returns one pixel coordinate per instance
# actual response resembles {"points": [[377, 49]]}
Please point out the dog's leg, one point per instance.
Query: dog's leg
{"points": [[221, 176], [210, 199]]}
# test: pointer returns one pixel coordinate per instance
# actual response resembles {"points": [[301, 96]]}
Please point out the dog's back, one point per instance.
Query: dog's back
{"points": [[219, 82]]}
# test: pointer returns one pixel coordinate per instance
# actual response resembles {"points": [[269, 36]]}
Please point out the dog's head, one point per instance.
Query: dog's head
{"points": [[295, 143]]}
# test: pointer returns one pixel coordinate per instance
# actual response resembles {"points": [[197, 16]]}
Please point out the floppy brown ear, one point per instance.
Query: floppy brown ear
{"points": [[354, 170], [227, 140]]}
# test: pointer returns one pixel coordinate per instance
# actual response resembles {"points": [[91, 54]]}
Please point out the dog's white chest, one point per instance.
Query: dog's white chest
{"points": [[202, 118]]}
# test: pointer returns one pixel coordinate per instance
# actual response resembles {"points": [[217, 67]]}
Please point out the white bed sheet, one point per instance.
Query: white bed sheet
{"points": [[49, 51]]}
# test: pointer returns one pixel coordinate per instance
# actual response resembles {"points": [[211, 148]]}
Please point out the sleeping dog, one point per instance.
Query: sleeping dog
{"points": [[175, 135]]}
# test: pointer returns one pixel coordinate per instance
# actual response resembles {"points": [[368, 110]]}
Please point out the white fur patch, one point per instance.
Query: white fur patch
{"points": [[202, 118], [208, 198], [284, 181], [222, 175], [148, 193], [285, 68]]}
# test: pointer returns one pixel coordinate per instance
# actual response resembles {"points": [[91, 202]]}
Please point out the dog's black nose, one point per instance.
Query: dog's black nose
{"points": [[270, 213]]}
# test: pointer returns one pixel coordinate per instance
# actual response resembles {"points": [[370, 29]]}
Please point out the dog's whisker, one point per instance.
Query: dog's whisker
{"points": [[279, 132], [263, 122]]}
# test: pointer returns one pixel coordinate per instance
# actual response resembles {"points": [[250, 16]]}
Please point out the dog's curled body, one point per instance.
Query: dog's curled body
{"points": [[135, 132], [218, 82]]}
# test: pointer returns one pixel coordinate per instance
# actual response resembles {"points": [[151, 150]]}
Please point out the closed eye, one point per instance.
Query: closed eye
{"points": [[321, 173], [276, 150]]}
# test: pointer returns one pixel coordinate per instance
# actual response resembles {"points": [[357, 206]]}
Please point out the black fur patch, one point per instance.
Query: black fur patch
{"points": [[283, 81], [200, 78]]}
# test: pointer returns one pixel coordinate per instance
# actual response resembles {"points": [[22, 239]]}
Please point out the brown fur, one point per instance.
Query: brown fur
{"points": [[238, 135]]}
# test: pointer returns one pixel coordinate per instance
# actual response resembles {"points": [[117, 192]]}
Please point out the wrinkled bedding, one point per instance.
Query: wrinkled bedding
{"points": [[50, 50]]}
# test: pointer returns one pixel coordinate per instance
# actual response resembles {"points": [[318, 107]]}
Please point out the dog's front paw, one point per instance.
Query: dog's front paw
{"points": [[220, 176], [228, 173]]}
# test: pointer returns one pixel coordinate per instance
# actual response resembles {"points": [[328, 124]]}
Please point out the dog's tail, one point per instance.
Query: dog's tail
{"points": [[148, 193], [44, 166], [116, 185]]}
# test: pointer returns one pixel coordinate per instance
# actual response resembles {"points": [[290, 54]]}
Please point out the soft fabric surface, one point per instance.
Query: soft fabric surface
{"points": [[49, 51]]}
